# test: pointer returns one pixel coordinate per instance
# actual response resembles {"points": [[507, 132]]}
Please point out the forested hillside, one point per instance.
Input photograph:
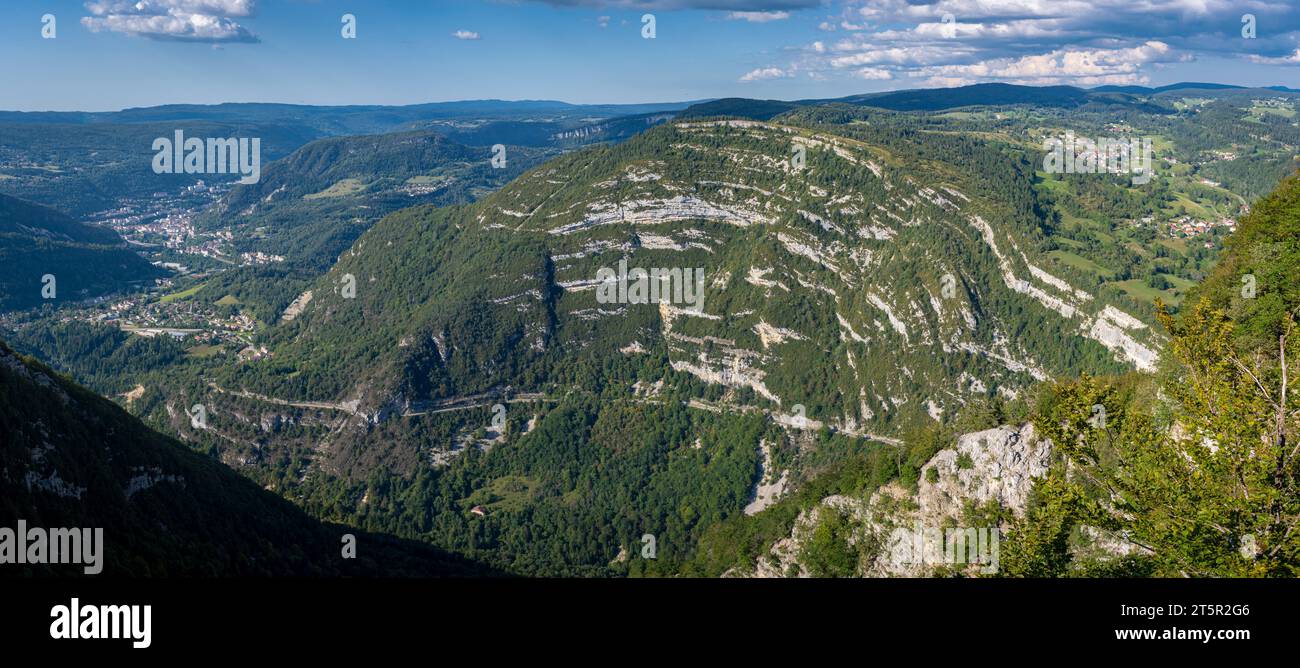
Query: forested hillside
{"points": [[37, 243], [72, 459], [1206, 481]]}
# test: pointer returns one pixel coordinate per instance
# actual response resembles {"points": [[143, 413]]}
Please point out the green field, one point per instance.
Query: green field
{"points": [[1137, 288], [341, 189], [1284, 112], [183, 294], [203, 350], [1080, 262], [511, 492]]}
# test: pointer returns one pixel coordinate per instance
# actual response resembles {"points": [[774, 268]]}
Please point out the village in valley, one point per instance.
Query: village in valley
{"points": [[161, 227]]}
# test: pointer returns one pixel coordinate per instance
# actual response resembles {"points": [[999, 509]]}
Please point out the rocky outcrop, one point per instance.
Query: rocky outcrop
{"points": [[997, 465]]}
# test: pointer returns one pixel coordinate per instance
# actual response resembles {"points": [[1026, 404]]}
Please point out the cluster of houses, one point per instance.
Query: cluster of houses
{"points": [[1188, 226]]}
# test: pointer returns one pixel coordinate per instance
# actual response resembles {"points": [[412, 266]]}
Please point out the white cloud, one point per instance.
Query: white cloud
{"points": [[897, 56], [1087, 67], [466, 35], [873, 74], [181, 20], [731, 5], [1077, 42], [947, 82], [764, 74], [158, 7], [758, 17], [1293, 59]]}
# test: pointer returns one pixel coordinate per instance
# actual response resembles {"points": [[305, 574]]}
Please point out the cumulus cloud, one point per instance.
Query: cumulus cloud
{"points": [[1088, 67], [1077, 42], [1204, 26], [764, 74], [873, 74], [758, 17], [219, 7], [1292, 59], [208, 21], [727, 5], [466, 35]]}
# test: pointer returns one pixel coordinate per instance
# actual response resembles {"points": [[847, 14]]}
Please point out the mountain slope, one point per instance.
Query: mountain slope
{"points": [[71, 459], [459, 357], [85, 261], [311, 205], [1255, 282], [862, 251], [886, 284], [1186, 478]]}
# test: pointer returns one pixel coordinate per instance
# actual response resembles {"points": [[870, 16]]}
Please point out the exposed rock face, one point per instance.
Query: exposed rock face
{"points": [[296, 308], [996, 465], [1003, 463], [783, 559], [771, 484]]}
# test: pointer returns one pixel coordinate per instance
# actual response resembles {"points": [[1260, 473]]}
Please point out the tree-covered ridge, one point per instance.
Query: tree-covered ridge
{"points": [[799, 284], [37, 242], [1255, 282], [72, 459], [1214, 152], [858, 235], [1205, 481]]}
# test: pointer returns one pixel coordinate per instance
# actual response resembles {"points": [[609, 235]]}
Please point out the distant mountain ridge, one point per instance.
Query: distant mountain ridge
{"points": [[376, 118], [334, 120], [984, 94]]}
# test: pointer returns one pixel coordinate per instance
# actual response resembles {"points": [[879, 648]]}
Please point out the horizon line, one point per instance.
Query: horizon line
{"points": [[647, 103]]}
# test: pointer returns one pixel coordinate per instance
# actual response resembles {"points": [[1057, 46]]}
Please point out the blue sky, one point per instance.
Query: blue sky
{"points": [[111, 54]]}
